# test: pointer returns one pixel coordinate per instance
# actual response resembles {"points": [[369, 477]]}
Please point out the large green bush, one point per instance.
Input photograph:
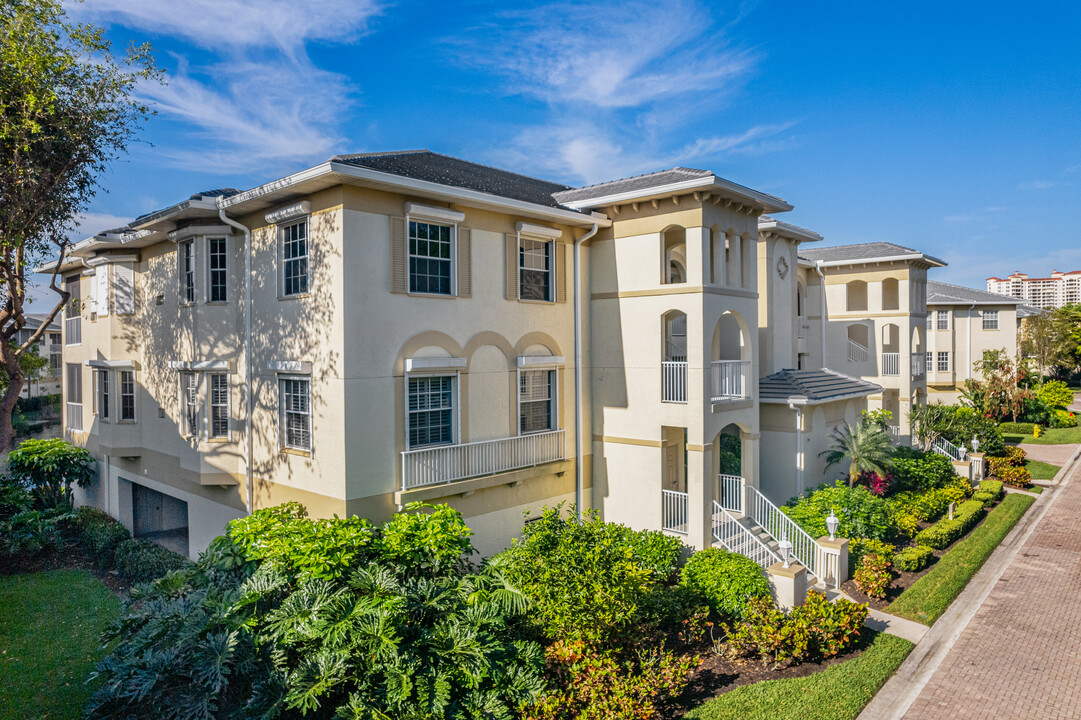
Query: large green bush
{"points": [[862, 514], [392, 631], [929, 505], [48, 468], [915, 470], [100, 534], [1055, 394], [143, 560], [725, 580], [913, 559]]}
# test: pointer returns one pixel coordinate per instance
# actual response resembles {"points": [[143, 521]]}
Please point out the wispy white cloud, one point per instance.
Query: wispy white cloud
{"points": [[1036, 185], [975, 214], [262, 99]]}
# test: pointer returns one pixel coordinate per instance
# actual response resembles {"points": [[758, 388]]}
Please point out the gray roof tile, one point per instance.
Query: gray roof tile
{"points": [[861, 251], [629, 184], [812, 386], [940, 293]]}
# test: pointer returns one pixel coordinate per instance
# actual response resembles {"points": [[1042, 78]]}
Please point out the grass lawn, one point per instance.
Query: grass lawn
{"points": [[837, 693], [50, 630], [1041, 470], [929, 596], [1051, 436]]}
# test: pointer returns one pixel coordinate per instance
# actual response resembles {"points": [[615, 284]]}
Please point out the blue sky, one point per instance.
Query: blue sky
{"points": [[949, 127]]}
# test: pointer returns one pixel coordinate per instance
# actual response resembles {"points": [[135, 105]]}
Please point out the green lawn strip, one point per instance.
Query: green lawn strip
{"points": [[929, 596], [1041, 470], [1032, 489], [1050, 436], [50, 633], [837, 693]]}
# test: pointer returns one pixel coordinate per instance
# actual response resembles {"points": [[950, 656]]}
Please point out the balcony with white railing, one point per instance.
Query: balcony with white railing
{"points": [[674, 381], [857, 352], [674, 511], [75, 417], [731, 491], [730, 380], [891, 363], [441, 464], [73, 330]]}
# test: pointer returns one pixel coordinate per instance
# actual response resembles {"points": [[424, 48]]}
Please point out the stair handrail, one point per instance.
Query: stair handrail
{"points": [[777, 525], [944, 447], [764, 550]]}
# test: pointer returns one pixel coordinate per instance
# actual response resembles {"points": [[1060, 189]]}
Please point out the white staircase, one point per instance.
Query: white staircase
{"points": [[740, 535]]}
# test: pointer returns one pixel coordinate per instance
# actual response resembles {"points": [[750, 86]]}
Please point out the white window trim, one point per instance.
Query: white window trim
{"points": [[431, 220], [100, 373], [278, 377], [228, 407], [938, 360], [182, 395], [549, 367], [120, 397], [938, 320], [987, 315], [206, 270], [280, 232], [455, 401], [536, 237]]}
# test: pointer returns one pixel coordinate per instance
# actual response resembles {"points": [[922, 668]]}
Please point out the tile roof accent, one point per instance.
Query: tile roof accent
{"points": [[812, 387], [940, 293], [628, 184], [446, 170]]}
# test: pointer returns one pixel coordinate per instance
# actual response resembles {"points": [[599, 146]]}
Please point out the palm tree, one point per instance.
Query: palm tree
{"points": [[867, 447]]}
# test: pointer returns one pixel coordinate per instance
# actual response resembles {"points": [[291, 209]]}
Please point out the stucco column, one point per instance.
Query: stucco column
{"points": [[749, 459], [735, 264], [697, 256], [788, 584], [699, 498]]}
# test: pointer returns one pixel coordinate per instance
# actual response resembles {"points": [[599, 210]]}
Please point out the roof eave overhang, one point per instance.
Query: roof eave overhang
{"points": [[959, 301], [803, 400], [915, 258], [166, 219], [766, 203], [317, 178], [789, 231]]}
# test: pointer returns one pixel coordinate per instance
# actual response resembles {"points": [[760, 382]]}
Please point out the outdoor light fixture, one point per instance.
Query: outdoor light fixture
{"points": [[786, 549], [831, 524], [975, 444]]}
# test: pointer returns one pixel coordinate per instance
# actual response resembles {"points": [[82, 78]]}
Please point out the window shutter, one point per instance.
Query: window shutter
{"points": [[124, 288], [465, 277], [512, 266], [399, 270], [101, 291], [561, 272]]}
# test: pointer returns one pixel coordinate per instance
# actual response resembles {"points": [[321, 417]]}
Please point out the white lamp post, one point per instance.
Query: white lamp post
{"points": [[786, 549], [832, 522], [975, 444]]}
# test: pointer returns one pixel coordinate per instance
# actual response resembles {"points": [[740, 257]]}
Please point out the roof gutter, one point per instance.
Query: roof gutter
{"points": [[932, 261], [579, 473]]}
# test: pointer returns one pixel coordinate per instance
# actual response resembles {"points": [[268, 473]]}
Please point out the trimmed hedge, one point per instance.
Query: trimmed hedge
{"points": [[1020, 428], [913, 559], [992, 486], [946, 531], [725, 580], [143, 560], [984, 497]]}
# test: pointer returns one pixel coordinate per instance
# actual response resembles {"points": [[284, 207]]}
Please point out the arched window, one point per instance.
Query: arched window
{"points": [[856, 296], [891, 299], [674, 241]]}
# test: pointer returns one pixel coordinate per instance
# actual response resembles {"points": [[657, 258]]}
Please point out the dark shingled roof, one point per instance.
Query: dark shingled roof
{"points": [[637, 182], [446, 170], [220, 192], [810, 387], [940, 293], [861, 251]]}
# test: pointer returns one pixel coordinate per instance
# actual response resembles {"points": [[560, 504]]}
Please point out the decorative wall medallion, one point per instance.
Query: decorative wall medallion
{"points": [[782, 267]]}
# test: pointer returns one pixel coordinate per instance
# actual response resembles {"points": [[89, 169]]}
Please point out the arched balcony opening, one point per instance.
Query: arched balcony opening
{"points": [[728, 457], [891, 350], [891, 294], [858, 343], [731, 353], [919, 354], [856, 296], [674, 242], [674, 358]]}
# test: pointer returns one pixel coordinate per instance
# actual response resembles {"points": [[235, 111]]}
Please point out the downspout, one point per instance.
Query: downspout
{"points": [[579, 489], [249, 395], [822, 312], [799, 447]]}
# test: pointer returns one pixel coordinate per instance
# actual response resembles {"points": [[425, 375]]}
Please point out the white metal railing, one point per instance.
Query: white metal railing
{"points": [[674, 511], [894, 431], [729, 379], [674, 381], [75, 416], [857, 352], [919, 364], [73, 330], [447, 463], [942, 446], [780, 526], [891, 363], [731, 488], [735, 537]]}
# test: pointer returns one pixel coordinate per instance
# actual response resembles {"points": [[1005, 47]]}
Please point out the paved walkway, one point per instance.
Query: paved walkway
{"points": [[1054, 454], [1020, 654]]}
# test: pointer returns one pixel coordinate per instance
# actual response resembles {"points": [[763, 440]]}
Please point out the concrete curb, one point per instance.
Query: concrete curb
{"points": [[895, 698]]}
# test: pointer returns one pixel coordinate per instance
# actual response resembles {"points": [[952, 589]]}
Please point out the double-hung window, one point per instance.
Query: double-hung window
{"points": [[296, 252], [430, 257], [534, 269], [431, 410], [75, 396], [126, 380], [219, 405], [930, 361], [186, 255], [928, 319], [217, 275], [536, 400], [189, 403], [990, 319], [944, 361], [294, 402], [102, 395], [943, 319]]}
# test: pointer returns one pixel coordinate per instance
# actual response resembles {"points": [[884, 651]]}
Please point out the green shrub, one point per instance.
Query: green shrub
{"points": [[1055, 394], [874, 575], [862, 514], [14, 498], [49, 468], [861, 547], [913, 559], [984, 497], [816, 629], [946, 531], [725, 580], [100, 534], [992, 486], [929, 505], [29, 533], [906, 524], [143, 560], [1062, 419], [1018, 428], [659, 552], [1015, 476], [923, 472]]}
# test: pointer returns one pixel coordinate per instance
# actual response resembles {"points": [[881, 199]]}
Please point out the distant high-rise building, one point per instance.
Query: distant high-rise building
{"points": [[1060, 289]]}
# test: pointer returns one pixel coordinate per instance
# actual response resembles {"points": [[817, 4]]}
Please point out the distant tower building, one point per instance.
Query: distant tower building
{"points": [[1047, 292]]}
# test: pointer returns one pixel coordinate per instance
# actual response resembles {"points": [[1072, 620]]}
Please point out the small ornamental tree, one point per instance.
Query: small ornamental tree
{"points": [[865, 446], [49, 468]]}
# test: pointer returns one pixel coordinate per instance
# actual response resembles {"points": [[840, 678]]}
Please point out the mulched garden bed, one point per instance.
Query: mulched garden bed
{"points": [[70, 556]]}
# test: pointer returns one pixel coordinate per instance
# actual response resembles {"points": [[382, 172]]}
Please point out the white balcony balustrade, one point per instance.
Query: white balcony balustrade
{"points": [[674, 381], [731, 491], [730, 379], [446, 463], [891, 363], [75, 417], [674, 511], [857, 352]]}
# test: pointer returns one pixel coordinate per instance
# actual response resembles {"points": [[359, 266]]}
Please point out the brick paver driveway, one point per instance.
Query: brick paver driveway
{"points": [[1020, 656]]}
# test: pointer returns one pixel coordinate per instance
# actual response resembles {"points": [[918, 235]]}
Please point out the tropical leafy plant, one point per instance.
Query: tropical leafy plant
{"points": [[861, 514], [48, 468], [865, 447]]}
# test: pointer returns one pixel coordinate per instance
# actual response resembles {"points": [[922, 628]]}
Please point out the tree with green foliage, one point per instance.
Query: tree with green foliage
{"points": [[68, 107], [1000, 393], [48, 468], [865, 446]]}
